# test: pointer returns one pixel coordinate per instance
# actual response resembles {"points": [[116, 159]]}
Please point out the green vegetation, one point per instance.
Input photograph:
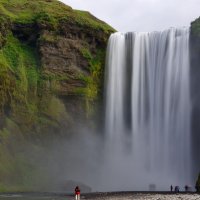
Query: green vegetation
{"points": [[21, 63], [195, 27], [20, 84], [20, 80], [85, 18], [24, 85], [18, 167], [19, 76], [48, 12], [93, 81], [31, 109], [50, 38]]}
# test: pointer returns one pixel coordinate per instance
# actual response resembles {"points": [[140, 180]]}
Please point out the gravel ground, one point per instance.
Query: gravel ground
{"points": [[142, 196], [104, 196]]}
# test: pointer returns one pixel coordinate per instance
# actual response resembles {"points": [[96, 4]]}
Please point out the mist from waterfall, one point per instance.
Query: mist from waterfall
{"points": [[148, 109]]}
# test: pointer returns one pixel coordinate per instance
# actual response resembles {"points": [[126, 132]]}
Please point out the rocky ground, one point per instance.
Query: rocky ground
{"points": [[143, 196], [103, 196]]}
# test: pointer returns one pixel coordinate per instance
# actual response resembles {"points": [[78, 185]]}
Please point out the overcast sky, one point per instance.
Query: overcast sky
{"points": [[141, 15]]}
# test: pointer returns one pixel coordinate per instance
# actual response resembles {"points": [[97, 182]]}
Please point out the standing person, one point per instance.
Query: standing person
{"points": [[171, 188], [77, 193], [177, 189], [197, 186]]}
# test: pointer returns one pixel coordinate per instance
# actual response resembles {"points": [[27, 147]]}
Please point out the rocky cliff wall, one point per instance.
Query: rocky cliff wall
{"points": [[51, 79], [54, 54], [195, 91]]}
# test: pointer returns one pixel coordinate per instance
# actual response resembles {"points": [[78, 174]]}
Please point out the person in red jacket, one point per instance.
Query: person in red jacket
{"points": [[77, 193]]}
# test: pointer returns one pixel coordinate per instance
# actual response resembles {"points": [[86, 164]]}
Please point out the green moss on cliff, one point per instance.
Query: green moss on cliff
{"points": [[93, 81], [31, 106], [48, 12], [195, 27], [20, 62], [20, 80]]}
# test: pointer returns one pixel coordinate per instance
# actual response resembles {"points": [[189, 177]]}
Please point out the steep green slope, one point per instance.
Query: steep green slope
{"points": [[29, 29], [51, 79], [48, 11]]}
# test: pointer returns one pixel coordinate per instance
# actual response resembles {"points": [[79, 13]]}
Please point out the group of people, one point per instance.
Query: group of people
{"points": [[77, 190], [177, 188], [174, 189]]}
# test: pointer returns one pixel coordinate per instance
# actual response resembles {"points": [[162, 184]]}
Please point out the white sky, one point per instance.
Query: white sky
{"points": [[141, 15]]}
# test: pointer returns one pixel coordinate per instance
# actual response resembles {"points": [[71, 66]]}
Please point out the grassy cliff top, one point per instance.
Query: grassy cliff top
{"points": [[195, 27], [29, 11]]}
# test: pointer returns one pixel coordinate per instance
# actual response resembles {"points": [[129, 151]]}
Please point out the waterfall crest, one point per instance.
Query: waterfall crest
{"points": [[148, 103]]}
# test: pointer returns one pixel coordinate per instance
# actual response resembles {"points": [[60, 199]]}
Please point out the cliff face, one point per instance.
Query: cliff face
{"points": [[195, 92], [50, 52], [51, 78]]}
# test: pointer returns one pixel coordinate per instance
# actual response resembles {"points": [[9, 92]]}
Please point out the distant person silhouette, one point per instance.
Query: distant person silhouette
{"points": [[197, 186], [77, 193], [177, 189], [171, 188]]}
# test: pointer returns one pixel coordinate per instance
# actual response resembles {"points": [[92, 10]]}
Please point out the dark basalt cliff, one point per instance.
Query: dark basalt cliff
{"points": [[195, 92], [51, 78]]}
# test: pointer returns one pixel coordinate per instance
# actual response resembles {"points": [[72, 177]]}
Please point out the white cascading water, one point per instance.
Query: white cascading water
{"points": [[148, 107]]}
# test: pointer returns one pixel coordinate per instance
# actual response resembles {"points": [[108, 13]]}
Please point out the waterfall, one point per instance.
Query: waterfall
{"points": [[148, 106]]}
